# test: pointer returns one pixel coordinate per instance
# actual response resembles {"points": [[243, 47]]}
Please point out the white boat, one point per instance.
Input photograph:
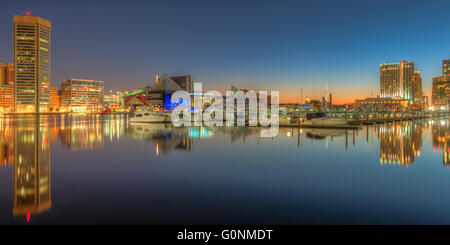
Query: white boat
{"points": [[321, 119], [148, 116]]}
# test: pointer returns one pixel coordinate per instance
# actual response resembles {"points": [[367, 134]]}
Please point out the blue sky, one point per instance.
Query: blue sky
{"points": [[273, 45]]}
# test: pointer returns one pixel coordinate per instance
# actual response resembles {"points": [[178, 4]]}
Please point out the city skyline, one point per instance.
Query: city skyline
{"points": [[290, 47]]}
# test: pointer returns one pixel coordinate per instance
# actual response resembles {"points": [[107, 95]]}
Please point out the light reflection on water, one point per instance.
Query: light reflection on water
{"points": [[101, 169]]}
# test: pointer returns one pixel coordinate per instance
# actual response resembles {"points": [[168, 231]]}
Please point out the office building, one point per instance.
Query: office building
{"points": [[80, 94], [32, 45], [396, 80]]}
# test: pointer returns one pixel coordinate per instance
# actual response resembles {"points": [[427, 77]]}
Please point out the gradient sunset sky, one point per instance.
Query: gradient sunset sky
{"points": [[265, 45]]}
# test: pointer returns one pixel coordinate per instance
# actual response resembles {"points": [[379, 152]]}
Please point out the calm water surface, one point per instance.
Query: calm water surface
{"points": [[103, 170]]}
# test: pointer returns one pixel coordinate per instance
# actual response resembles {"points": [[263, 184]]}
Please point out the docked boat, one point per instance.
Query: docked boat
{"points": [[321, 119], [147, 115]]}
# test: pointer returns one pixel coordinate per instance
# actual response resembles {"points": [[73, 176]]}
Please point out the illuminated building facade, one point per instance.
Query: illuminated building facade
{"points": [[441, 91], [6, 87], [32, 45], [397, 80], [79, 94], [112, 99], [6, 74], [6, 98], [446, 67], [392, 103], [55, 99]]}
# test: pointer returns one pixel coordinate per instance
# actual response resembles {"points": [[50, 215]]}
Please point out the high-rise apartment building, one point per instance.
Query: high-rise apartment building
{"points": [[396, 80], [32, 44], [80, 94]]}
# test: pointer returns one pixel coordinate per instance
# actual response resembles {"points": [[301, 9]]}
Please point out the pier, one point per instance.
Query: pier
{"points": [[357, 118]]}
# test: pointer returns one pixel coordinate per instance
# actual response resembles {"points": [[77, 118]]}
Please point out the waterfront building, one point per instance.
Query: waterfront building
{"points": [[82, 95], [397, 80], [441, 91], [55, 99], [393, 103], [32, 45], [6, 87], [6, 98], [160, 93], [185, 82], [135, 98], [112, 99], [6, 74]]}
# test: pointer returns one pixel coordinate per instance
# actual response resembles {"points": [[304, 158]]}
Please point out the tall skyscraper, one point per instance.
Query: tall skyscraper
{"points": [[446, 67], [32, 44], [396, 80]]}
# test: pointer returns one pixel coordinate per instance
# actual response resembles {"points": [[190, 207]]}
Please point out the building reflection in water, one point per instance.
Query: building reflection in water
{"points": [[6, 142], [32, 168], [165, 137], [87, 132], [400, 142], [441, 139], [25, 145]]}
